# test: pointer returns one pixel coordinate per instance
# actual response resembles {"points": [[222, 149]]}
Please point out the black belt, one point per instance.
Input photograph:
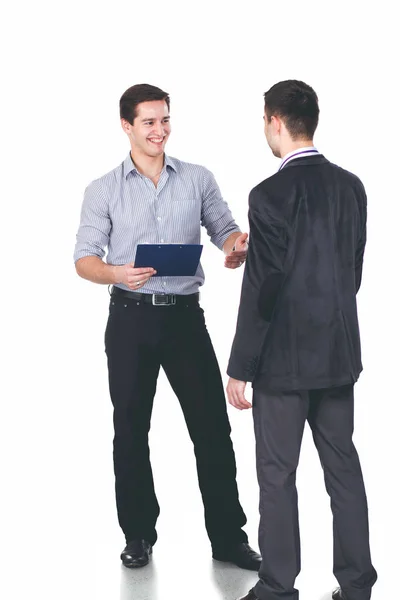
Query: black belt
{"points": [[157, 299]]}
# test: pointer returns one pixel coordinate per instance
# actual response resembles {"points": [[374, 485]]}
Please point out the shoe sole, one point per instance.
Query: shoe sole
{"points": [[132, 566], [224, 560]]}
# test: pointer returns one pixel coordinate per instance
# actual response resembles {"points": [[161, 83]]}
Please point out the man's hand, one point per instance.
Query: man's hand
{"points": [[238, 254], [235, 392], [133, 278]]}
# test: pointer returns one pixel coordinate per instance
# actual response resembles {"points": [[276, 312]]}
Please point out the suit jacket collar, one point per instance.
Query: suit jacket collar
{"points": [[305, 161]]}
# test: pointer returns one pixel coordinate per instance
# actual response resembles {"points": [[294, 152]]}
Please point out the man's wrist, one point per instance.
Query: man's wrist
{"points": [[116, 274], [230, 242]]}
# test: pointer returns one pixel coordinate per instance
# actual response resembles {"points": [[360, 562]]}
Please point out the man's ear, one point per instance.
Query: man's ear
{"points": [[125, 126], [276, 124]]}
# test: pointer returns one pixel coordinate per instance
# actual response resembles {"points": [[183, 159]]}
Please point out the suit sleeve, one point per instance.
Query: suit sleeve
{"points": [[362, 239], [263, 278]]}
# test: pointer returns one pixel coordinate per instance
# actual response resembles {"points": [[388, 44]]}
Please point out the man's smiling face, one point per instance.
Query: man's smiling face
{"points": [[151, 128]]}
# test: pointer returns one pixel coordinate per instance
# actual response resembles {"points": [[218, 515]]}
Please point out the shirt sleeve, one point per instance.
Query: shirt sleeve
{"points": [[263, 278], [216, 216], [95, 223]]}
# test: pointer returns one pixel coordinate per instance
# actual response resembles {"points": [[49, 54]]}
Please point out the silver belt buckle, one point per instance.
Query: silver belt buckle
{"points": [[163, 300]]}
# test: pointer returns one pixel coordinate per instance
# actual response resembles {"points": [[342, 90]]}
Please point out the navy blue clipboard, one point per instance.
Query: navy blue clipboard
{"points": [[169, 260]]}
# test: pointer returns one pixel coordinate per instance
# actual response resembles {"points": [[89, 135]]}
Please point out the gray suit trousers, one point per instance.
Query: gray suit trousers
{"points": [[279, 420]]}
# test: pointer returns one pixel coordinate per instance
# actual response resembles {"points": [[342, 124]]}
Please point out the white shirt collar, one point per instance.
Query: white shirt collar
{"points": [[304, 151]]}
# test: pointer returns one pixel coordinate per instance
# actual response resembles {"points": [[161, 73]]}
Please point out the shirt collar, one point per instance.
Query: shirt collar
{"points": [[312, 150], [129, 166]]}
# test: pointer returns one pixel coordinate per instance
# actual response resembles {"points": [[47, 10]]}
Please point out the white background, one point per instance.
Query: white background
{"points": [[65, 66]]}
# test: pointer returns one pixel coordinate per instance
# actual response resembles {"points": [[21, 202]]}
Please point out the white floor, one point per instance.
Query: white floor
{"points": [[59, 533], [65, 540], [167, 577]]}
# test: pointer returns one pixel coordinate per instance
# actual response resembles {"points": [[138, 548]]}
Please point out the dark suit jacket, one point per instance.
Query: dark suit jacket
{"points": [[297, 326]]}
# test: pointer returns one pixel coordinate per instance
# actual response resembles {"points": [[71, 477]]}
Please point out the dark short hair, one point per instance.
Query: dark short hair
{"points": [[296, 104], [136, 94]]}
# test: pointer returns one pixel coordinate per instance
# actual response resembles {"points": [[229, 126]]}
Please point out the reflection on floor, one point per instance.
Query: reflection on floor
{"points": [[221, 582]]}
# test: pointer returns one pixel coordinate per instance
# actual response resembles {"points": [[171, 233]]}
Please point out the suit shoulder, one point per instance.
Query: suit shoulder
{"points": [[266, 185], [347, 177], [270, 199], [266, 190], [273, 184]]}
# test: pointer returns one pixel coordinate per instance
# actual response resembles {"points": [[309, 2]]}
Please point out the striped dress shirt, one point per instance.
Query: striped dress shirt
{"points": [[124, 208]]}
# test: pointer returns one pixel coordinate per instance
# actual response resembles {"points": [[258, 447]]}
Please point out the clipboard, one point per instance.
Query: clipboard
{"points": [[169, 260]]}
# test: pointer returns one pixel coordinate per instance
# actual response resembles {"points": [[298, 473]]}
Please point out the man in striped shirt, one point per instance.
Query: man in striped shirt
{"points": [[157, 321]]}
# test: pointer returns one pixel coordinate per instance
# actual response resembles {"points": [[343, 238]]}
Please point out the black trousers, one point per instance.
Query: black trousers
{"points": [[139, 339], [279, 421]]}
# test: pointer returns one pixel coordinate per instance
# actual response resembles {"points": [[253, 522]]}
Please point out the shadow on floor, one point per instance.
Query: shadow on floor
{"points": [[139, 584], [230, 581]]}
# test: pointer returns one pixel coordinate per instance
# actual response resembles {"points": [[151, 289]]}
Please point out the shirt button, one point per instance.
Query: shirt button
{"points": [[162, 240], [164, 283], [158, 218]]}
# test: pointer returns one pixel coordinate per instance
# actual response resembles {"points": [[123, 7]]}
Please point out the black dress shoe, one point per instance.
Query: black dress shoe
{"points": [[338, 595], [250, 596], [136, 554], [241, 555]]}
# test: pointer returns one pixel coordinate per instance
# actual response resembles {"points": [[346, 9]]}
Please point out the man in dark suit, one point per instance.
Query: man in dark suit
{"points": [[297, 340]]}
